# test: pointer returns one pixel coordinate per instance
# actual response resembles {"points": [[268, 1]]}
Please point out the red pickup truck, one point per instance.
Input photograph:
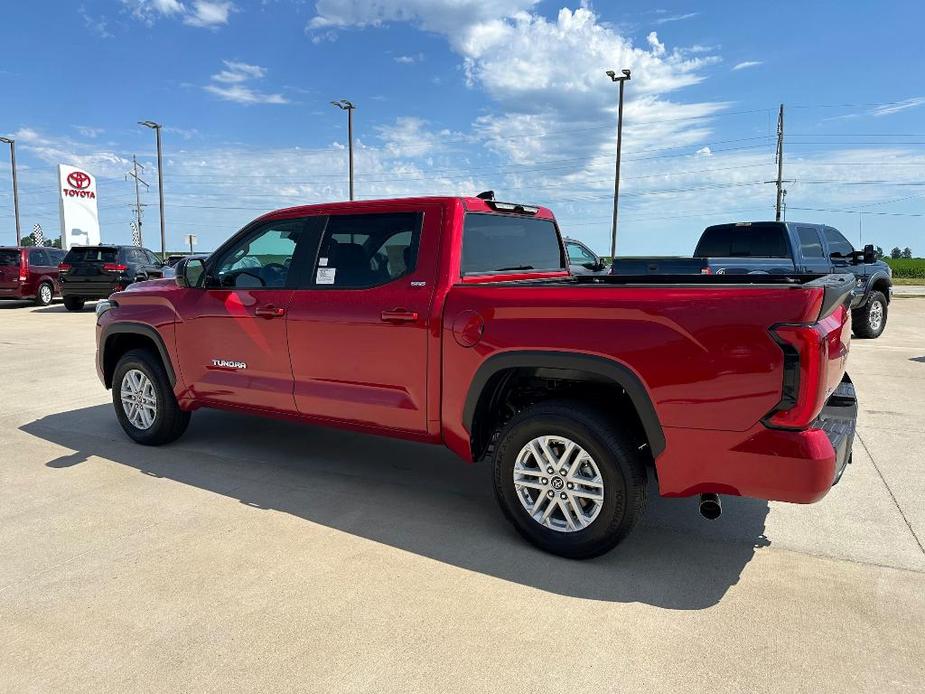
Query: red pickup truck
{"points": [[455, 321]]}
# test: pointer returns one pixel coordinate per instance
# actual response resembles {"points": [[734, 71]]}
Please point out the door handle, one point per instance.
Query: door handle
{"points": [[399, 315], [270, 311]]}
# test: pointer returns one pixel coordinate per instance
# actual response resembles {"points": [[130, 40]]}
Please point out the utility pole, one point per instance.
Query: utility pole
{"points": [[160, 180], [347, 106], [780, 162], [616, 180], [12, 144], [138, 204]]}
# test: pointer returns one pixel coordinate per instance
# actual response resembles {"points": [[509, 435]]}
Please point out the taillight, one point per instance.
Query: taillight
{"points": [[114, 267], [23, 267], [806, 356], [64, 267]]}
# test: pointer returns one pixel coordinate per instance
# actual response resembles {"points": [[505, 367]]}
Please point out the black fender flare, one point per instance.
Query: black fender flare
{"points": [[570, 361], [878, 276], [132, 328]]}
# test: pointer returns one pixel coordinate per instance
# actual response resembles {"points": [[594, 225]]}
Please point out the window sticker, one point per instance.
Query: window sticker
{"points": [[325, 275], [323, 262]]}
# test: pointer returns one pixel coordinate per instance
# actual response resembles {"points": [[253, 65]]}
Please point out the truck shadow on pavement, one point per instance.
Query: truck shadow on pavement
{"points": [[422, 499]]}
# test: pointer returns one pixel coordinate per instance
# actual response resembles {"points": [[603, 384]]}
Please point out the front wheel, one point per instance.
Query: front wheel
{"points": [[144, 401], [568, 480], [73, 303], [869, 321]]}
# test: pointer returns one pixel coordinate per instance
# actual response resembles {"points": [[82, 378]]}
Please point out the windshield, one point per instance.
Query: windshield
{"points": [[499, 243], [759, 240], [9, 257]]}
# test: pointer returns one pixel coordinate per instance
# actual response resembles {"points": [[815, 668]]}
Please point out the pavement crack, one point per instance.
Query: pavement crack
{"points": [[890, 492]]}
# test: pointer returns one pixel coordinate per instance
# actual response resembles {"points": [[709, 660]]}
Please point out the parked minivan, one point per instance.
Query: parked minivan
{"points": [[29, 272]]}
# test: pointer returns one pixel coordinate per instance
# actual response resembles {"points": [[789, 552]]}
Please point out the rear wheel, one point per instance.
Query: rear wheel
{"points": [[568, 480], [144, 401], [73, 303], [869, 321], [44, 295]]}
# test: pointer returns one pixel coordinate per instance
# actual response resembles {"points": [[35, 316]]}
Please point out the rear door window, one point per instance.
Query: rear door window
{"points": [[507, 243], [810, 243], [359, 251], [38, 258]]}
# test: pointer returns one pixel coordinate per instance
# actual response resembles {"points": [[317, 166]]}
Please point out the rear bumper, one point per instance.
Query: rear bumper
{"points": [[15, 293], [92, 290], [774, 464]]}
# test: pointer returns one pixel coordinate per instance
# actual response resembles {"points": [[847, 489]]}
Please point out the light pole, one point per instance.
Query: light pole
{"points": [[349, 108], [616, 181], [160, 180], [12, 144]]}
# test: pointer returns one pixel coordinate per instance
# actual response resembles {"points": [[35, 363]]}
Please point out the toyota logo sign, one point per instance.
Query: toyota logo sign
{"points": [[78, 180], [77, 184]]}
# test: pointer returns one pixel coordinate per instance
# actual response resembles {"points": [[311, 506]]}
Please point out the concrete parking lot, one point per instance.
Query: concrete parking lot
{"points": [[264, 555]]}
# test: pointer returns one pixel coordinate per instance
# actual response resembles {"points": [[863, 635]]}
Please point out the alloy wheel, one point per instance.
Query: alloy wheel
{"points": [[558, 483], [139, 399]]}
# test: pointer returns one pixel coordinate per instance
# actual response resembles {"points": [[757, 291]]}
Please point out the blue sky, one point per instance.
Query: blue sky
{"points": [[457, 96]]}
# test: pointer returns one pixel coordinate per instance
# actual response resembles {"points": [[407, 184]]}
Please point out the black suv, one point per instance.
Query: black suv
{"points": [[95, 272]]}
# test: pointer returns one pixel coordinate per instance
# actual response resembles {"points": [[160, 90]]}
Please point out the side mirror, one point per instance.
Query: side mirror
{"points": [[190, 272], [870, 255]]}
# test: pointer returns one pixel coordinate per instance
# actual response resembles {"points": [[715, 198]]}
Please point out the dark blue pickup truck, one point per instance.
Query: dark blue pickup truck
{"points": [[782, 248]]}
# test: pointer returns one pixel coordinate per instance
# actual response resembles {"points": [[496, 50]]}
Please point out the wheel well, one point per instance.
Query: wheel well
{"points": [[511, 390], [120, 343], [882, 285]]}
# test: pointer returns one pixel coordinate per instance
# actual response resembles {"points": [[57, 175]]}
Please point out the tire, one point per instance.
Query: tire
{"points": [[45, 294], [73, 303], [620, 470], [869, 321], [168, 421]]}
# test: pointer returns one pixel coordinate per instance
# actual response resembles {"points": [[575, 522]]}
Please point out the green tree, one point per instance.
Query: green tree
{"points": [[907, 252], [878, 251], [27, 240], [896, 253]]}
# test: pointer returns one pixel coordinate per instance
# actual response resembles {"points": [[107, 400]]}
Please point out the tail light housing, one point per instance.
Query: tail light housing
{"points": [[64, 267], [114, 267], [809, 350], [23, 266]]}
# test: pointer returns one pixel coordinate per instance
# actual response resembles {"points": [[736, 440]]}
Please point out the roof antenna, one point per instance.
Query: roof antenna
{"points": [[486, 195]]}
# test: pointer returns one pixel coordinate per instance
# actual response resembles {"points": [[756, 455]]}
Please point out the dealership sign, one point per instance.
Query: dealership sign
{"points": [[80, 221]]}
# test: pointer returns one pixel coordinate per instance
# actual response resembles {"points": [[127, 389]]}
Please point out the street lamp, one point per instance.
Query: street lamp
{"points": [[616, 181], [12, 144], [349, 108], [160, 180]]}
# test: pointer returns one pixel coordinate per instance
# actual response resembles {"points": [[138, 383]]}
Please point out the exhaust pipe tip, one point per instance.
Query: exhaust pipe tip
{"points": [[711, 507]]}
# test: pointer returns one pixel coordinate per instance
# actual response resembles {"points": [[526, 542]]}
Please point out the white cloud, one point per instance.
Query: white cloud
{"points": [[747, 64], [676, 17], [208, 14], [890, 109], [200, 13], [239, 72], [229, 84], [87, 131], [409, 59]]}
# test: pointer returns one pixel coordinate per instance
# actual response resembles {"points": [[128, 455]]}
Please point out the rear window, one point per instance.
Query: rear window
{"points": [[500, 243], [9, 257], [763, 240], [92, 254]]}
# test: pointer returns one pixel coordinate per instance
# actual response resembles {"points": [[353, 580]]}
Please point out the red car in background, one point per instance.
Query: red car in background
{"points": [[30, 273]]}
